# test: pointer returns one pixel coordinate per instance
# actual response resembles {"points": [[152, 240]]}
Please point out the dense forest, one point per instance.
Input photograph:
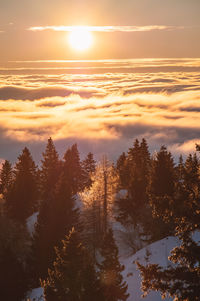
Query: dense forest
{"points": [[72, 252]]}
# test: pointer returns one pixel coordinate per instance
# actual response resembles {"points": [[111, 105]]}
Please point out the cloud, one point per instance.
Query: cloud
{"points": [[104, 112], [107, 28], [12, 92]]}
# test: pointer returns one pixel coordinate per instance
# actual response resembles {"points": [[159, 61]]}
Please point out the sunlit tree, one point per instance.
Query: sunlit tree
{"points": [[73, 276], [98, 201]]}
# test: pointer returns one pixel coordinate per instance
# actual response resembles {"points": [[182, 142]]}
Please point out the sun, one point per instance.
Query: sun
{"points": [[80, 38]]}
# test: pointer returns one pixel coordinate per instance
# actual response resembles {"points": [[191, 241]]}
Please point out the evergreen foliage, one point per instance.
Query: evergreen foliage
{"points": [[181, 281], [14, 252], [73, 169], [55, 220], [88, 167], [73, 275], [135, 167], [6, 178], [123, 170], [50, 170], [113, 286], [23, 195]]}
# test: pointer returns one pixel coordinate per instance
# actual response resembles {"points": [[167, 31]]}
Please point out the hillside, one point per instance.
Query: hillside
{"points": [[157, 252]]}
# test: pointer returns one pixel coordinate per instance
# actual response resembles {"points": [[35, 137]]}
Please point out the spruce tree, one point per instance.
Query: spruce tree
{"points": [[72, 167], [23, 196], [163, 174], [113, 286], [55, 219], [88, 167], [50, 170], [181, 281], [14, 253], [6, 178], [131, 210], [123, 171], [73, 275]]}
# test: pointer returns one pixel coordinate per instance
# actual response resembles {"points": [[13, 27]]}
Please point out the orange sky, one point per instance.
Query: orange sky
{"points": [[175, 28]]}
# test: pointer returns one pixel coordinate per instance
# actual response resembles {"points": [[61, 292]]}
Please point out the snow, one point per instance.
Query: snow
{"points": [[30, 222], [157, 253], [36, 294]]}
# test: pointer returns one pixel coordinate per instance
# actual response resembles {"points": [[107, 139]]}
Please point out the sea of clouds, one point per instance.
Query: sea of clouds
{"points": [[101, 105]]}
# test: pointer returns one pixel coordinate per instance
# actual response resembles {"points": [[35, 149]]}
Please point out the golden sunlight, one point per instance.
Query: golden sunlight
{"points": [[80, 38]]}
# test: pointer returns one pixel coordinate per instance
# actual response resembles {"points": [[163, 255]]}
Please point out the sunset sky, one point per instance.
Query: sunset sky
{"points": [[99, 73]]}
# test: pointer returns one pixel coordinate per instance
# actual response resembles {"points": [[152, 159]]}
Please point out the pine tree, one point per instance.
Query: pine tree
{"points": [[113, 286], [88, 167], [191, 175], [182, 280], [123, 170], [55, 220], [73, 276], [6, 178], [50, 171], [72, 166], [23, 196], [163, 174], [14, 252], [132, 209]]}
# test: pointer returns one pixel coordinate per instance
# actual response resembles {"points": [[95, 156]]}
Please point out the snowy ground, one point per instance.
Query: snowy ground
{"points": [[157, 252]]}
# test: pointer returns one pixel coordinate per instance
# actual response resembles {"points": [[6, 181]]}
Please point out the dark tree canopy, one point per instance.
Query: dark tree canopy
{"points": [[50, 170], [73, 275], [181, 281], [23, 195], [113, 286]]}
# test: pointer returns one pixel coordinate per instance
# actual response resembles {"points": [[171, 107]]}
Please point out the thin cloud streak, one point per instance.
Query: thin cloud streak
{"points": [[131, 28]]}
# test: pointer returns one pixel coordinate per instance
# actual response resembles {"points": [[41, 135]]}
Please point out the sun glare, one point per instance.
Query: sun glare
{"points": [[80, 38]]}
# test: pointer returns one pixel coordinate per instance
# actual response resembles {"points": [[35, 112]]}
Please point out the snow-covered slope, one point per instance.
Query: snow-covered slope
{"points": [[157, 252]]}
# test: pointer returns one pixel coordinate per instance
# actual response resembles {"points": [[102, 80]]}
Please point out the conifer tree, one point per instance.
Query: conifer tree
{"points": [[22, 199], [182, 280], [6, 178], [123, 170], [163, 174], [55, 220], [73, 275], [113, 286], [72, 166], [14, 252], [132, 209], [50, 171], [191, 175], [88, 167]]}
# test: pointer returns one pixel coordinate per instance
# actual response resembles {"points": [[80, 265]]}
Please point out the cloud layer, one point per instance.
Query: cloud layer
{"points": [[107, 110]]}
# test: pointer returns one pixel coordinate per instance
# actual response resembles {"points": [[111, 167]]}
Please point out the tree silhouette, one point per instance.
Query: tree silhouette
{"points": [[113, 286], [73, 276], [23, 195]]}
